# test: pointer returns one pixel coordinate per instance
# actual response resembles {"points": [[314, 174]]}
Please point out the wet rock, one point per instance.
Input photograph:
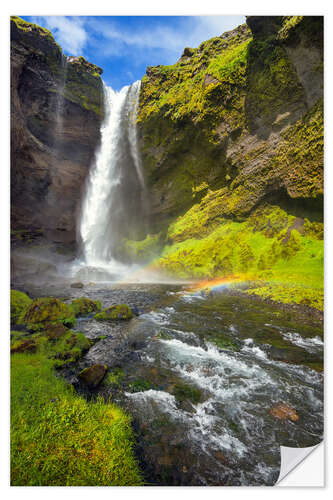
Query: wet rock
{"points": [[116, 312], [24, 346], [283, 411], [183, 392], [93, 375], [137, 310], [77, 285]]}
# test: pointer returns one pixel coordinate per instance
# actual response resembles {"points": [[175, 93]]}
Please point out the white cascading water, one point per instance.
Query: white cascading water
{"points": [[59, 115], [134, 92], [96, 229]]}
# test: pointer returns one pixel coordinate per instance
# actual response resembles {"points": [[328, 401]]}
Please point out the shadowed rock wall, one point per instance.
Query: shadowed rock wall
{"points": [[56, 113]]}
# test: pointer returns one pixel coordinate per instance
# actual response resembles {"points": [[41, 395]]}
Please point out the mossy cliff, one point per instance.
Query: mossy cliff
{"points": [[232, 146], [56, 112]]}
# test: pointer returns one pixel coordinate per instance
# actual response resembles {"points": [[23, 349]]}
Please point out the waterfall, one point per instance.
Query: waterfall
{"points": [[59, 105], [112, 207], [132, 129]]}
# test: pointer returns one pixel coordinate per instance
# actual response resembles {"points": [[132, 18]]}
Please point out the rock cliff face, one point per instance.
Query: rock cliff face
{"points": [[232, 147], [56, 112], [240, 115]]}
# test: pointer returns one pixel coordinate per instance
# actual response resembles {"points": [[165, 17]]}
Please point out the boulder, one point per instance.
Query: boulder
{"points": [[77, 285], [48, 311], [93, 375], [283, 411], [19, 302], [55, 332], [116, 312], [83, 306]]}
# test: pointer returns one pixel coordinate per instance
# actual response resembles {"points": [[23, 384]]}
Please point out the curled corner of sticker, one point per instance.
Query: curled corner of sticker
{"points": [[291, 458]]}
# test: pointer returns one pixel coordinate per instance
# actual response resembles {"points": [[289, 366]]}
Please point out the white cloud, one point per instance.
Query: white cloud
{"points": [[170, 39], [74, 34], [69, 32]]}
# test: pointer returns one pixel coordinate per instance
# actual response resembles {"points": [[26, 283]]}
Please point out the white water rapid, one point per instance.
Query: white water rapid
{"points": [[114, 181]]}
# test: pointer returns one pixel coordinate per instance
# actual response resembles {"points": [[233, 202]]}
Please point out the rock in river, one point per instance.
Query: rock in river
{"points": [[284, 412], [121, 311], [93, 375]]}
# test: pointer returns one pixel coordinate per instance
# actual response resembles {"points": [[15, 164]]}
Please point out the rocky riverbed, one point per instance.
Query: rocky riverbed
{"points": [[214, 383]]}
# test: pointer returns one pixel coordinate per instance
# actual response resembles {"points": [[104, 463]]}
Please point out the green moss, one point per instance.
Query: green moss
{"points": [[183, 392], [300, 155], [24, 345], [272, 81], [140, 385], [116, 312], [47, 311], [224, 342], [288, 24], [205, 125], [84, 306], [290, 293], [182, 90], [186, 112], [269, 245], [114, 377], [59, 439], [144, 250], [25, 26], [19, 303], [68, 349], [83, 86], [62, 349]]}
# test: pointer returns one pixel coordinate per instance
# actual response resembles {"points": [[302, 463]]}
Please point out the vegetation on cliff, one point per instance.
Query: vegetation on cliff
{"points": [[233, 155], [77, 79], [270, 246]]}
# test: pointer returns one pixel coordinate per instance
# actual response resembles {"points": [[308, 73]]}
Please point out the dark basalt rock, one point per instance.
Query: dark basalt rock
{"points": [[56, 112], [93, 375], [77, 285]]}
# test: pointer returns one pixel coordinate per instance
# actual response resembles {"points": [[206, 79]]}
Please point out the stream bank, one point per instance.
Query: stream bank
{"points": [[204, 378]]}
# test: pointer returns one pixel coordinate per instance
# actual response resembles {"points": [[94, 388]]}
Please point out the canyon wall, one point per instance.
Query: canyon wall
{"points": [[241, 115], [56, 113], [232, 146]]}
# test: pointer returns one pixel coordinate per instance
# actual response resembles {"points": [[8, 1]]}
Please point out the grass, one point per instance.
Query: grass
{"points": [[58, 438], [115, 377]]}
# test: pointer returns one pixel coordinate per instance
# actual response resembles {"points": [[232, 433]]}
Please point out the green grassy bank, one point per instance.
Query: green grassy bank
{"points": [[57, 437]]}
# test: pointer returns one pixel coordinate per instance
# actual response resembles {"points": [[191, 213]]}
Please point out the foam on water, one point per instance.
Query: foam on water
{"points": [[306, 343]]}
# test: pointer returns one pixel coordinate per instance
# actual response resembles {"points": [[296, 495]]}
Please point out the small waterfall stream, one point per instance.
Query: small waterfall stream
{"points": [[59, 111], [113, 205]]}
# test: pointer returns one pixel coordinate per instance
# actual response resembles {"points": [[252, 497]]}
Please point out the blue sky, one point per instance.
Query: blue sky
{"points": [[125, 45]]}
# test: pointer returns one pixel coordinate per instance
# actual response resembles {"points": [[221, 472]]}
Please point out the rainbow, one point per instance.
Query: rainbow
{"points": [[216, 284]]}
